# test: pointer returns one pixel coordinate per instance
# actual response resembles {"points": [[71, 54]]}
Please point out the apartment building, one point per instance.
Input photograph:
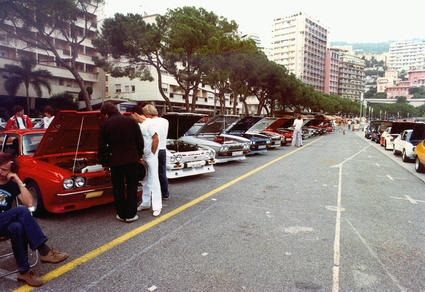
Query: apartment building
{"points": [[299, 43], [11, 49], [407, 55]]}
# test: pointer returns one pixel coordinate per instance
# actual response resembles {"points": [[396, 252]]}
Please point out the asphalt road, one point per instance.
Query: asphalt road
{"points": [[338, 214]]}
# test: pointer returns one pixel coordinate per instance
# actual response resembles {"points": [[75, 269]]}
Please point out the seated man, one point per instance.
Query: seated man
{"points": [[19, 225]]}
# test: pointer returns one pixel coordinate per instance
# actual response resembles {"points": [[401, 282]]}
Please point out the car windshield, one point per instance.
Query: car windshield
{"points": [[30, 142]]}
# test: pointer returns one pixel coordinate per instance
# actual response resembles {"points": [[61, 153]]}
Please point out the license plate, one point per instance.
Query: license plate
{"points": [[237, 153], [262, 147], [196, 164], [94, 194]]}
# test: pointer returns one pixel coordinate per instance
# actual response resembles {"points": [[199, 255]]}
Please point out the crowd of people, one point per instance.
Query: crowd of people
{"points": [[127, 144]]}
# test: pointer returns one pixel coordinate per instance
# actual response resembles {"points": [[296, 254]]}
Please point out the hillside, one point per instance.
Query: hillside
{"points": [[370, 48]]}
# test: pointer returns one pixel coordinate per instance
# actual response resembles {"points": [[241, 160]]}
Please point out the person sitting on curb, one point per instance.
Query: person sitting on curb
{"points": [[19, 225]]}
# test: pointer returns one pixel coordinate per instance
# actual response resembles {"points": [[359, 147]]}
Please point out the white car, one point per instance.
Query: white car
{"points": [[185, 158], [402, 145], [227, 147]]}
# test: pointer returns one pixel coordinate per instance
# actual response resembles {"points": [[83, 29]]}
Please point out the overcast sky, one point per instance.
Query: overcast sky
{"points": [[350, 21]]}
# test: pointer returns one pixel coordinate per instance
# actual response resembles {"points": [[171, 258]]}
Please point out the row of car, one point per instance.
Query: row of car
{"points": [[61, 168], [405, 138]]}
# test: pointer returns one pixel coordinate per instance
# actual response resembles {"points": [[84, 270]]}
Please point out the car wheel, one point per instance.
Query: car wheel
{"points": [[404, 156], [38, 206], [418, 166], [395, 152]]}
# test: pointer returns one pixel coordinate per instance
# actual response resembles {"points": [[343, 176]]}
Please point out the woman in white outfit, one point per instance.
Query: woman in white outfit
{"points": [[151, 187], [297, 139]]}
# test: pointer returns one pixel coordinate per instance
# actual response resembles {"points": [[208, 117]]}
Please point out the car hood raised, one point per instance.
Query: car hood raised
{"points": [[218, 124], [71, 132], [180, 123], [242, 126]]}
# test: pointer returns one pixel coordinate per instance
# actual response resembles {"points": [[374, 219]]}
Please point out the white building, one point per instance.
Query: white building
{"points": [[63, 81], [299, 43], [407, 55]]}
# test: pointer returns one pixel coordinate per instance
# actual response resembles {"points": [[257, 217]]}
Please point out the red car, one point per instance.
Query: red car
{"points": [[60, 165]]}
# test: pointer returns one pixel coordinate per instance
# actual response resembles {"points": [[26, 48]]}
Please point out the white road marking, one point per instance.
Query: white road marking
{"points": [[337, 248], [410, 199]]}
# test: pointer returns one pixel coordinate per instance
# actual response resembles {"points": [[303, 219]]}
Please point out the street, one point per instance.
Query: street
{"points": [[337, 214]]}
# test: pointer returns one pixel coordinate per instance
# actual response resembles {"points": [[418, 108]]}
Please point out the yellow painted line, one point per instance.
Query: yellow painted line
{"points": [[104, 248]]}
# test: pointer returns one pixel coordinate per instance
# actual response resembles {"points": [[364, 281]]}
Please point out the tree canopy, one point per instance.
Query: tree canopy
{"points": [[37, 23]]}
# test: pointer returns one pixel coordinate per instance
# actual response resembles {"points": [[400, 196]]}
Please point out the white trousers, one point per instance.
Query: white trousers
{"points": [[151, 185]]}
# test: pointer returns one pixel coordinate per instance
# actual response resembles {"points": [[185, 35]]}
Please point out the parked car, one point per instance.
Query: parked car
{"points": [[402, 145], [378, 127], [183, 158], [393, 132], [60, 165], [419, 151], [418, 136], [227, 147], [270, 126], [259, 142], [276, 140]]}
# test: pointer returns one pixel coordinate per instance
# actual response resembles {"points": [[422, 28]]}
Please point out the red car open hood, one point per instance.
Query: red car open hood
{"points": [[71, 132]]}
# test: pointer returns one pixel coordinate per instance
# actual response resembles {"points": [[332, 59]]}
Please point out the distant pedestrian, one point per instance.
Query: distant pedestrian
{"points": [[297, 139], [121, 147], [49, 115], [19, 120]]}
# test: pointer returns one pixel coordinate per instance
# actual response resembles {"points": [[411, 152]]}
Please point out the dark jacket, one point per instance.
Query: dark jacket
{"points": [[120, 141]]}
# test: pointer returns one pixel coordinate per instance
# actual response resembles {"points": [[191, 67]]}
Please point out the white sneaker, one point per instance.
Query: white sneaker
{"points": [[156, 213], [129, 220], [143, 207]]}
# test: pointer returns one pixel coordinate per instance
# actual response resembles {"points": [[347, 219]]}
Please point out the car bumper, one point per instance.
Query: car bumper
{"points": [[189, 171]]}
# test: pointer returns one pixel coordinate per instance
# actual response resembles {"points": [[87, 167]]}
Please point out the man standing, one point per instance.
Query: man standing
{"points": [[161, 126], [19, 120], [121, 147]]}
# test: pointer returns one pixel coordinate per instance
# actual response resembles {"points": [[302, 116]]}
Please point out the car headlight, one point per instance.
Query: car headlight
{"points": [[211, 153], [224, 148], [68, 183], [176, 158], [246, 146], [80, 181]]}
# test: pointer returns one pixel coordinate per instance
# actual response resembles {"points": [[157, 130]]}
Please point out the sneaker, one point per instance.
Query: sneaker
{"points": [[156, 213], [119, 218], [54, 256], [165, 198], [143, 207], [129, 220], [31, 278]]}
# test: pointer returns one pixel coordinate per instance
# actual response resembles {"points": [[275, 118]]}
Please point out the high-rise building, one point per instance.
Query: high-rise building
{"points": [[407, 55], [299, 43]]}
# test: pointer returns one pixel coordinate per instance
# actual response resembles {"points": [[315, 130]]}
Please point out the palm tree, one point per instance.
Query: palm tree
{"points": [[28, 76]]}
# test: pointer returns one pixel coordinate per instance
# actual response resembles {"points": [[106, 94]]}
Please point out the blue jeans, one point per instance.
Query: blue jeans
{"points": [[19, 224], [162, 172], [122, 176]]}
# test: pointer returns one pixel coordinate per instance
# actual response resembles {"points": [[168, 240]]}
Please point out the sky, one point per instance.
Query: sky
{"points": [[349, 21]]}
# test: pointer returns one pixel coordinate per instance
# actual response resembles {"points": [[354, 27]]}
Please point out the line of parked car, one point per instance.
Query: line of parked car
{"points": [[61, 168], [405, 138]]}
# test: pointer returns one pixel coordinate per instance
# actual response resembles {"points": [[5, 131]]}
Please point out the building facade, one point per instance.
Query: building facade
{"points": [[299, 43], [11, 49], [407, 55]]}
